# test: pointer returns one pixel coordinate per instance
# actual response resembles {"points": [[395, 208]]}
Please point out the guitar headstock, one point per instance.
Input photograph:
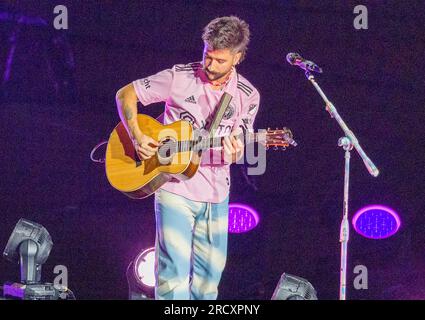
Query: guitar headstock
{"points": [[276, 138]]}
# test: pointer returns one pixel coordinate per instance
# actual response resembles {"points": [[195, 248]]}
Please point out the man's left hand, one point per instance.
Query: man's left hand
{"points": [[233, 148]]}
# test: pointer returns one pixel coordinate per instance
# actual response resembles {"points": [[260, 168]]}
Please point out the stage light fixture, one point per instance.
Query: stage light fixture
{"points": [[291, 287], [242, 218], [30, 244], [376, 222], [141, 276]]}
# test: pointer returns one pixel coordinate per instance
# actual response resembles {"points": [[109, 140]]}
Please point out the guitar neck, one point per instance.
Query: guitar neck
{"points": [[212, 142]]}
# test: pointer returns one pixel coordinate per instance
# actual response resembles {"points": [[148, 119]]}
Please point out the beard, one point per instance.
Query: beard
{"points": [[214, 76]]}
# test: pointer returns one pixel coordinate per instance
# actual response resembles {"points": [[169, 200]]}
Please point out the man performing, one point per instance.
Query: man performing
{"points": [[192, 215]]}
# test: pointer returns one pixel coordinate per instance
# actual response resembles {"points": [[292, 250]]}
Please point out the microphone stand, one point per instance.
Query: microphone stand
{"points": [[348, 142]]}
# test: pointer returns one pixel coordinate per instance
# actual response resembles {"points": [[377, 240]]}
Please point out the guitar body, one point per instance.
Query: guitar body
{"points": [[139, 179]]}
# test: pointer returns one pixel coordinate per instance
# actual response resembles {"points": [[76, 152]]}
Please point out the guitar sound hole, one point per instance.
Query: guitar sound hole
{"points": [[166, 151]]}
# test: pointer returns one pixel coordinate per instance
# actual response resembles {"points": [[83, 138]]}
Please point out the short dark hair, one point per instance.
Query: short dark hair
{"points": [[227, 33]]}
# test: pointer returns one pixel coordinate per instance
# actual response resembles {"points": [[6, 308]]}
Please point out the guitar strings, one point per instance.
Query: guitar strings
{"points": [[189, 145]]}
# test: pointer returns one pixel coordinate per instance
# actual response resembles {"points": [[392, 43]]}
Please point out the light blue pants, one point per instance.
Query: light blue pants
{"points": [[190, 247]]}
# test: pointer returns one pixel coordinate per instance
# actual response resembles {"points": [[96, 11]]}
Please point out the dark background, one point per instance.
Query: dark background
{"points": [[59, 102]]}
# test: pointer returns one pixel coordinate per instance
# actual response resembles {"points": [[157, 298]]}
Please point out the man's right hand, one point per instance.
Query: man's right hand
{"points": [[145, 146]]}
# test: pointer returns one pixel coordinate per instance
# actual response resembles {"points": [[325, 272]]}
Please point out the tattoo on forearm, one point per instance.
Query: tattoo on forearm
{"points": [[128, 113]]}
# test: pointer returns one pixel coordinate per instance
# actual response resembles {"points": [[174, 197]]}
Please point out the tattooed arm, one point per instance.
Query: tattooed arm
{"points": [[126, 99]]}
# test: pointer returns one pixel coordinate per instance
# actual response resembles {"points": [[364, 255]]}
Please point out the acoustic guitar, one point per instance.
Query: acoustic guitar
{"points": [[178, 156]]}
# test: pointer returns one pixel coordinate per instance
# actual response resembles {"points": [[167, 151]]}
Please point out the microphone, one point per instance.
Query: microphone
{"points": [[296, 60]]}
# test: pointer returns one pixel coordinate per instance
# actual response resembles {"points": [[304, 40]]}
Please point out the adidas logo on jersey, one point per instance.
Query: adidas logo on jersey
{"points": [[190, 99]]}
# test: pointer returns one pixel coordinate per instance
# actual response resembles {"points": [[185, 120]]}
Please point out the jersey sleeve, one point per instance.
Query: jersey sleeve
{"points": [[155, 88]]}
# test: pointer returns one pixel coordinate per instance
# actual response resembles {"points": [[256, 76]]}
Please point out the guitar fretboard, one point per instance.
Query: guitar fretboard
{"points": [[209, 142]]}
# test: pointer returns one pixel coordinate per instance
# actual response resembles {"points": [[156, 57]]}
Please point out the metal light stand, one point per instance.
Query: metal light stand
{"points": [[348, 142]]}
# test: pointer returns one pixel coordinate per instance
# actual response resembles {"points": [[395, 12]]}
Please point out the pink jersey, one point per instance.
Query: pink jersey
{"points": [[188, 95]]}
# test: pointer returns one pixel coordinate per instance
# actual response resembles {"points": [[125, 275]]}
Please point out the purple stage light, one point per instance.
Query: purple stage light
{"points": [[376, 222], [144, 267], [242, 218]]}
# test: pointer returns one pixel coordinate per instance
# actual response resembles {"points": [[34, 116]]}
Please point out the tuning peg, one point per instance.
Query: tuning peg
{"points": [[275, 148], [283, 148]]}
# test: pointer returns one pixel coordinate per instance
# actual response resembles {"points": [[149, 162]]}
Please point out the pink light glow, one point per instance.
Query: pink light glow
{"points": [[376, 222], [242, 218]]}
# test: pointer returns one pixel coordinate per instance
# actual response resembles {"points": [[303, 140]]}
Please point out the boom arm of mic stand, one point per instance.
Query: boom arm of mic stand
{"points": [[370, 166]]}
